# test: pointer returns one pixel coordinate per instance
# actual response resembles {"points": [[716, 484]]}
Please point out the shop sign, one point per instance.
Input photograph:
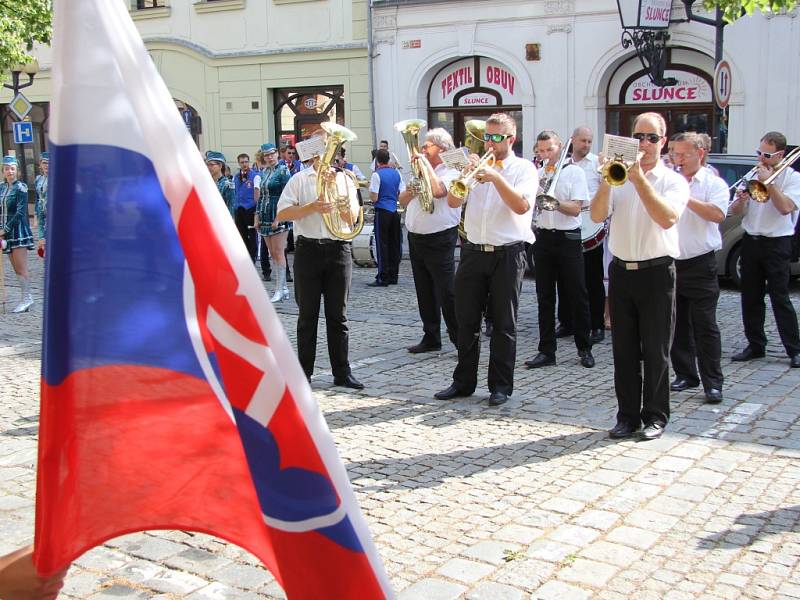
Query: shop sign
{"points": [[410, 44], [463, 75], [477, 99], [690, 88], [655, 13]]}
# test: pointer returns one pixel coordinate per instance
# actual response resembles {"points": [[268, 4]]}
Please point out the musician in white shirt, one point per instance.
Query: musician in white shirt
{"points": [[697, 339], [643, 241], [498, 223], [558, 255], [432, 241], [766, 252]]}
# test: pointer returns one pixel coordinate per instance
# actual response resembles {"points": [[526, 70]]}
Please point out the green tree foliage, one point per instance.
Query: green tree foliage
{"points": [[733, 9], [22, 23]]}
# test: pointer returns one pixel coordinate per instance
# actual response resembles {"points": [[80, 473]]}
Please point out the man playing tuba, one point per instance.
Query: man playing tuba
{"points": [[432, 241]]}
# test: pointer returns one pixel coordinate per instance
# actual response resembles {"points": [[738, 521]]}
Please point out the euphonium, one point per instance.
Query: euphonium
{"points": [[615, 171], [339, 221], [758, 189], [473, 140], [461, 186], [420, 180]]}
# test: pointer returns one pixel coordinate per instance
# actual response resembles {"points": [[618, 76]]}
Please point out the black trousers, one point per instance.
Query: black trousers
{"points": [[642, 305], [559, 259], [244, 221], [323, 271], [433, 266], [765, 270], [697, 339], [496, 276], [388, 244], [594, 276]]}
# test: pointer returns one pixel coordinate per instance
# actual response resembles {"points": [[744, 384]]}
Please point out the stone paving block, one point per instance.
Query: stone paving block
{"points": [[491, 551], [587, 572], [575, 535], [219, 591], [615, 554], [556, 590], [432, 589], [494, 591], [81, 584], [151, 548], [170, 581], [550, 551], [465, 571], [633, 536], [120, 591], [242, 576], [563, 505], [526, 574], [651, 521]]}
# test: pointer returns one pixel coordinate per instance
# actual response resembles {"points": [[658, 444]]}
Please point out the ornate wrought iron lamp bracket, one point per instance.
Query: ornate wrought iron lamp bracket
{"points": [[651, 48]]}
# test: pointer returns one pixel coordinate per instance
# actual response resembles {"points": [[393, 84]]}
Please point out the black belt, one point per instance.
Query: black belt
{"points": [[301, 239], [633, 265], [570, 234], [443, 232], [490, 248], [686, 262]]}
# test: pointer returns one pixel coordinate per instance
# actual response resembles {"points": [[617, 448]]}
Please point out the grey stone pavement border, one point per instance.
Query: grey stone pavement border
{"points": [[530, 500]]}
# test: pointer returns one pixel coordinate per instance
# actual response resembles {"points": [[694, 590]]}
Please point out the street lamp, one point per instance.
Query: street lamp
{"points": [[30, 69], [645, 25]]}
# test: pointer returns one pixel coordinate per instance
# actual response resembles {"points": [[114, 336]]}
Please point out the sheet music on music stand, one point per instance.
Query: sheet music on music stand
{"points": [[455, 159], [620, 148], [308, 149]]}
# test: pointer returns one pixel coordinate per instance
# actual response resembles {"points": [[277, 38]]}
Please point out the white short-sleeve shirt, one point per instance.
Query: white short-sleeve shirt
{"points": [[571, 185], [696, 235], [762, 218], [443, 216]]}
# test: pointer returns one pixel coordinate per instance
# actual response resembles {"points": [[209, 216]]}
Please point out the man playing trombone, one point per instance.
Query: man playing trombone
{"points": [[498, 223], [558, 253], [643, 209], [770, 204], [432, 242]]}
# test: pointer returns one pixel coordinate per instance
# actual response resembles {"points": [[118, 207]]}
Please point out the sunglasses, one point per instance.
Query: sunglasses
{"points": [[495, 137], [768, 155], [650, 137]]}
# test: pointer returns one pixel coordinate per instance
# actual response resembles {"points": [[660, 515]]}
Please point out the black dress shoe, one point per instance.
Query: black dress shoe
{"points": [[794, 362], [651, 432], [377, 284], [587, 360], [423, 347], [713, 396], [747, 354], [622, 431], [680, 385], [562, 332], [497, 398], [597, 336], [452, 392], [540, 360], [392, 282], [348, 381]]}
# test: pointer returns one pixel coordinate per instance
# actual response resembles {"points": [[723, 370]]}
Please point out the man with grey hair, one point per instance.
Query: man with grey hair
{"points": [[431, 242]]}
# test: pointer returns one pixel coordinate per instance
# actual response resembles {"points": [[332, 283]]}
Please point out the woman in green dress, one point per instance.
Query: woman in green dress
{"points": [[15, 231]]}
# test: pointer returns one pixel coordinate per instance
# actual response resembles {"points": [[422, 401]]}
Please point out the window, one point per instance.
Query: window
{"points": [[299, 111], [144, 4]]}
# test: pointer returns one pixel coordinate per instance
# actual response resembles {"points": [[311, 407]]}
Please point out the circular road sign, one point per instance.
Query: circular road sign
{"points": [[722, 84]]}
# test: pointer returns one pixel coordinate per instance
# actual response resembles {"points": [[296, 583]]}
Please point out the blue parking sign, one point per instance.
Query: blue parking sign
{"points": [[23, 132]]}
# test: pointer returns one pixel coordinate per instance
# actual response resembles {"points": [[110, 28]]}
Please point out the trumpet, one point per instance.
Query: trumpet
{"points": [[758, 189], [615, 171], [341, 227], [461, 186]]}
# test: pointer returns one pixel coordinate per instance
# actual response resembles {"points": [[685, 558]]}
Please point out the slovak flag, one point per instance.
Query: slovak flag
{"points": [[171, 397]]}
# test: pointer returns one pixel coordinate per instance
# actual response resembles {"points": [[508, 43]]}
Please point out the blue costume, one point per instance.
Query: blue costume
{"points": [[40, 207], [228, 192], [273, 180], [14, 217]]}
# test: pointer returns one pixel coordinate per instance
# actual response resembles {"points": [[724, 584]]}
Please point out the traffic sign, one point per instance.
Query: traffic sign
{"points": [[23, 132], [20, 106], [722, 84]]}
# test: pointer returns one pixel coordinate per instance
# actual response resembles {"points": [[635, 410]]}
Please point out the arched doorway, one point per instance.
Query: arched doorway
{"points": [[299, 111], [473, 87], [191, 119]]}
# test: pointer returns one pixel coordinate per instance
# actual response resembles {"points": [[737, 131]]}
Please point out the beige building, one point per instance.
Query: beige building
{"points": [[243, 72]]}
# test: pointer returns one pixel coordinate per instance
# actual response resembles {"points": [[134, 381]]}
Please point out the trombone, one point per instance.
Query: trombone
{"points": [[758, 189], [546, 199], [741, 183]]}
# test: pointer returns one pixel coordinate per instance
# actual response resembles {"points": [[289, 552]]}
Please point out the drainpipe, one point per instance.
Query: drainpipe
{"points": [[370, 74]]}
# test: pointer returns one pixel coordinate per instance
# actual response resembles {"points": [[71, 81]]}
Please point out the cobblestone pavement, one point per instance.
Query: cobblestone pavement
{"points": [[530, 500]]}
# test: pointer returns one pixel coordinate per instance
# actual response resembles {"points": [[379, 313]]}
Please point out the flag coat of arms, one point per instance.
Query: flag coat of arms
{"points": [[171, 397]]}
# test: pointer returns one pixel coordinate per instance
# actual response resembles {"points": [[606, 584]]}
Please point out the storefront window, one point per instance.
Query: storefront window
{"points": [[299, 111]]}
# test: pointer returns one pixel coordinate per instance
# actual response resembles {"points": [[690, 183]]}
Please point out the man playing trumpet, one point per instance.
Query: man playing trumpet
{"points": [[497, 223], [643, 241]]}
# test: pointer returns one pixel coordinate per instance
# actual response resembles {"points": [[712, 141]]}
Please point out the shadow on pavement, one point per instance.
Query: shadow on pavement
{"points": [[751, 527]]}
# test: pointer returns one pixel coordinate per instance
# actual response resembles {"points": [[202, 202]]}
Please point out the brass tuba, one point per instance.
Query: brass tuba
{"points": [[420, 180], [758, 189], [339, 221]]}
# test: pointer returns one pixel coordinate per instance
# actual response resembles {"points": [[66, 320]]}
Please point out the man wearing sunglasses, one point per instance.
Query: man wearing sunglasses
{"points": [[766, 252], [643, 241], [498, 223]]}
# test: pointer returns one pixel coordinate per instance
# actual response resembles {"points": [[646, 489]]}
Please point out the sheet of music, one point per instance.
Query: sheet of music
{"points": [[308, 149], [455, 159], [626, 149]]}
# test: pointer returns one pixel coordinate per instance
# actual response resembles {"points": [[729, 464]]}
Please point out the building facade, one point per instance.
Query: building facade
{"points": [[244, 72], [557, 64]]}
